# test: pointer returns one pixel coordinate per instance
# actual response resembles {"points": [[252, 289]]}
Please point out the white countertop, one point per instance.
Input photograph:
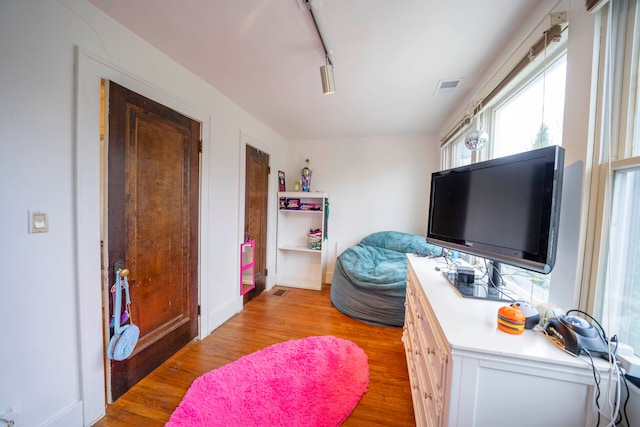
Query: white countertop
{"points": [[470, 324]]}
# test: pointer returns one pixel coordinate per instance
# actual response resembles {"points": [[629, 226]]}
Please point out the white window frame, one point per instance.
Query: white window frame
{"points": [[600, 269], [617, 128]]}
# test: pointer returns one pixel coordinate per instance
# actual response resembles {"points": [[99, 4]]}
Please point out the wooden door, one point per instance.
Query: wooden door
{"points": [[153, 194], [255, 218]]}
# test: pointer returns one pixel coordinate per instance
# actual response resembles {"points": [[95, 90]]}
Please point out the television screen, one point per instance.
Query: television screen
{"points": [[505, 209]]}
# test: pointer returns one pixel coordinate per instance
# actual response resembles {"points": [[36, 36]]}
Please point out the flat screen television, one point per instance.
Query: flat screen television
{"points": [[506, 210]]}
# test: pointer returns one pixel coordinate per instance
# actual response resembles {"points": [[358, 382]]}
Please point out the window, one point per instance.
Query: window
{"points": [[614, 280], [518, 123], [527, 114], [621, 293], [530, 117], [461, 155]]}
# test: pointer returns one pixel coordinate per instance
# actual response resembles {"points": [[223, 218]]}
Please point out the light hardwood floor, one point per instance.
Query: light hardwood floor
{"points": [[267, 320]]}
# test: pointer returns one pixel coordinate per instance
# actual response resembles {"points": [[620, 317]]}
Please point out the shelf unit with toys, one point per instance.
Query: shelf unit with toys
{"points": [[301, 258]]}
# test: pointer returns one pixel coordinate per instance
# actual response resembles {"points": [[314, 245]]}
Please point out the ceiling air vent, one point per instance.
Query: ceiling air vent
{"points": [[447, 87]]}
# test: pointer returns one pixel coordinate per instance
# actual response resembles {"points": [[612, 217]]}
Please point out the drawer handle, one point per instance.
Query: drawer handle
{"points": [[418, 353], [431, 351], [428, 396]]}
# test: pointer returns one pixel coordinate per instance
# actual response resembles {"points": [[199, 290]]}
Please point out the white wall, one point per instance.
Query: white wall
{"points": [[374, 183], [51, 332]]}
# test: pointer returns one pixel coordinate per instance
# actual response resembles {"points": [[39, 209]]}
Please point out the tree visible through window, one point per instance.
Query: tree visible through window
{"points": [[542, 138]]}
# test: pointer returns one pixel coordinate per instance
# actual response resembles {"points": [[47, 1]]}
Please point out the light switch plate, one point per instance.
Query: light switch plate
{"points": [[38, 222]]}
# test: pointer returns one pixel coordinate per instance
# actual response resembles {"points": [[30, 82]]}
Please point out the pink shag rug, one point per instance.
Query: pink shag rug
{"points": [[315, 381]]}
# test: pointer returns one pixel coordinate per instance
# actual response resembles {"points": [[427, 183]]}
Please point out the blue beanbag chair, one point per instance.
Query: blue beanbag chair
{"points": [[369, 279]]}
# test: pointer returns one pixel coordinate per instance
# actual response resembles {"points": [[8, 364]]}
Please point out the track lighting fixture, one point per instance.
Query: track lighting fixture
{"points": [[326, 74], [326, 71]]}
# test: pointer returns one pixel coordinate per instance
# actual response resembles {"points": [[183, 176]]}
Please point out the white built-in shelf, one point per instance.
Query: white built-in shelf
{"points": [[302, 211], [297, 265], [299, 249]]}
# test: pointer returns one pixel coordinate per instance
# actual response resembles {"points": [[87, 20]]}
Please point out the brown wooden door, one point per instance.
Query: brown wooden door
{"points": [[255, 218], [153, 193]]}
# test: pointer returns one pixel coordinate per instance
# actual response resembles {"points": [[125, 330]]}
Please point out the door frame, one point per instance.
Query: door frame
{"points": [[90, 69], [246, 139]]}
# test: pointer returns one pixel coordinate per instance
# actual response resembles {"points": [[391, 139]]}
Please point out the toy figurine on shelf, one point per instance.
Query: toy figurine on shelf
{"points": [[306, 176]]}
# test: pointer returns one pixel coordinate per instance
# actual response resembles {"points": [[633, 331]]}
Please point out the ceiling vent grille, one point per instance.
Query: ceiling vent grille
{"points": [[447, 87]]}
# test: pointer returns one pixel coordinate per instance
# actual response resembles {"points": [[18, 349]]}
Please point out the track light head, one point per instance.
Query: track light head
{"points": [[326, 74]]}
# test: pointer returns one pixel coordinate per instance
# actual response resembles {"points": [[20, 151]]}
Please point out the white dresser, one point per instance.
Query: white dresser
{"points": [[465, 372]]}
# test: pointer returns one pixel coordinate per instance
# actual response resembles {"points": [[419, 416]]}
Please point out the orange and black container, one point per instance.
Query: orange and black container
{"points": [[511, 319]]}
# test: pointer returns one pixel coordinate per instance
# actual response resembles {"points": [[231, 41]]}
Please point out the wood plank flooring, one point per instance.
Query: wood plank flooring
{"points": [[267, 320]]}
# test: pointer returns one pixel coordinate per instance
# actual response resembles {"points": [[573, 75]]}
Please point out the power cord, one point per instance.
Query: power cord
{"points": [[593, 319], [616, 413], [626, 401], [616, 369], [502, 289], [596, 380]]}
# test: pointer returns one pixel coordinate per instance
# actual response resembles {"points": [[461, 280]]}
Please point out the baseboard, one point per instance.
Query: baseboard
{"points": [[70, 416], [220, 315], [328, 277]]}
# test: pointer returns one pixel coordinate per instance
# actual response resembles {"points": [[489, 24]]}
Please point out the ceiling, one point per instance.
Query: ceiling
{"points": [[265, 55]]}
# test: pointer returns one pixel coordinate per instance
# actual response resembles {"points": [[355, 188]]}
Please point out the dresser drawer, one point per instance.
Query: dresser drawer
{"points": [[419, 409], [428, 354], [434, 349], [427, 400]]}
